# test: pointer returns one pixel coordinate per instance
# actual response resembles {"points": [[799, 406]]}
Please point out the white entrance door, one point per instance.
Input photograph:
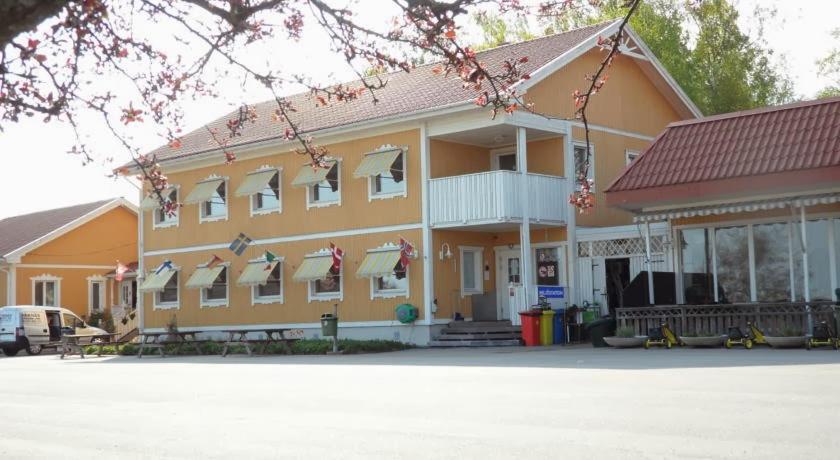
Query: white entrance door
{"points": [[508, 280]]}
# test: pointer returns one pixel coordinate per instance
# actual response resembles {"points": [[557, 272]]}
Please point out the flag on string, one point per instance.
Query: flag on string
{"points": [[269, 259], [239, 245], [406, 253], [216, 260], [120, 271], [337, 257], [167, 264]]}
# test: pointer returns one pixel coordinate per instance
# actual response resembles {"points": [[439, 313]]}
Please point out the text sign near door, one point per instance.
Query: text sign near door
{"points": [[552, 292]]}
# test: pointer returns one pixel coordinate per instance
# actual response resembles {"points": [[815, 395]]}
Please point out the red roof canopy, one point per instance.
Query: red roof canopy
{"points": [[773, 150]]}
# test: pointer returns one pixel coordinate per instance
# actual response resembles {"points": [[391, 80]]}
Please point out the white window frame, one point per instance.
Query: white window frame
{"points": [[252, 199], [372, 195], [47, 278], [311, 204], [390, 293], [575, 146], [496, 153], [326, 297], [204, 302], [101, 280], [222, 217], [268, 300], [127, 284], [157, 305], [172, 221], [478, 268], [630, 155]]}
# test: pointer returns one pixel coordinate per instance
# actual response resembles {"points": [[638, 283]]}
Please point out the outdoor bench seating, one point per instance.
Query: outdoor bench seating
{"points": [[280, 336]]}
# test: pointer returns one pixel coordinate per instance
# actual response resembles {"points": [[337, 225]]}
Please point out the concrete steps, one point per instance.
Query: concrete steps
{"points": [[478, 334]]}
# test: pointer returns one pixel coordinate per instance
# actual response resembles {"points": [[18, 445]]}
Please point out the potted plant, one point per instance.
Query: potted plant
{"points": [[788, 337], [625, 337], [702, 339]]}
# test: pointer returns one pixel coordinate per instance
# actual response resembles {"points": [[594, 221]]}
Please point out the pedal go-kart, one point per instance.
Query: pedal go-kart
{"points": [[661, 336], [737, 337], [823, 336]]}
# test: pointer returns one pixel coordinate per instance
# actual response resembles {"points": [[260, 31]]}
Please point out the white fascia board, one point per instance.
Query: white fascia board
{"points": [[478, 117], [534, 121], [619, 231], [16, 255]]}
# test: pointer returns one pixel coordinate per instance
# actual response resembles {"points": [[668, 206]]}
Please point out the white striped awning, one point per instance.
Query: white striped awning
{"points": [[313, 268], [376, 163], [152, 202], [157, 281], [255, 273], [255, 182], [310, 176], [378, 263], [736, 207], [203, 277], [203, 190]]}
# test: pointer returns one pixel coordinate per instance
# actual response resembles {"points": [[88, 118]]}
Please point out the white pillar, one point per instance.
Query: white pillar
{"points": [[11, 290], [428, 252], [573, 294], [806, 288], [649, 264], [141, 296], [526, 270]]}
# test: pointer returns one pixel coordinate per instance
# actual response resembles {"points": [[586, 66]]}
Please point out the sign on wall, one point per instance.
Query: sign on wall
{"points": [[552, 292]]}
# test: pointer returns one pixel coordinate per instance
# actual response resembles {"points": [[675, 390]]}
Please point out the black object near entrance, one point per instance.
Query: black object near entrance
{"points": [[618, 279], [664, 290]]}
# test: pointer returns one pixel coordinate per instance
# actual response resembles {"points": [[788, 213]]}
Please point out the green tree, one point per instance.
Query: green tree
{"points": [[829, 66], [497, 31]]}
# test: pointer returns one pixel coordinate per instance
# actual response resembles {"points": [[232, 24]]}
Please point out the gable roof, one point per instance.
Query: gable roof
{"points": [[750, 152], [409, 93], [20, 234]]}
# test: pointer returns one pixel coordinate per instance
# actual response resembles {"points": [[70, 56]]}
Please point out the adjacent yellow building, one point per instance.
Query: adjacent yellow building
{"points": [[250, 245]]}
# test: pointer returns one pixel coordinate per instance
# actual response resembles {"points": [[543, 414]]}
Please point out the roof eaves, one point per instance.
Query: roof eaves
{"points": [[638, 161], [756, 111]]}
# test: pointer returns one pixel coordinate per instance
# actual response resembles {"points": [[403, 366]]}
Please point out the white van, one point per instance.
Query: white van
{"points": [[33, 328]]}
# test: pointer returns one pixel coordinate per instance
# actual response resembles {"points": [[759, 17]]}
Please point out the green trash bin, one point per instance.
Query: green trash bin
{"points": [[329, 325], [547, 327]]}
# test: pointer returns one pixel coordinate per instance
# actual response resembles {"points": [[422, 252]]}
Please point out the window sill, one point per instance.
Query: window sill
{"points": [[470, 293], [322, 205], [267, 301], [173, 306], [387, 196], [265, 212], [202, 220], [389, 295], [223, 303], [165, 225], [324, 298]]}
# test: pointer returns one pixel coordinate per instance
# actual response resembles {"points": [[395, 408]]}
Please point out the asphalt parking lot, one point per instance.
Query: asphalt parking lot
{"points": [[574, 402]]}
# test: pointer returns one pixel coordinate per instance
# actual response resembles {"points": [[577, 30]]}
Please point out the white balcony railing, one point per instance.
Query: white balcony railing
{"points": [[494, 197]]}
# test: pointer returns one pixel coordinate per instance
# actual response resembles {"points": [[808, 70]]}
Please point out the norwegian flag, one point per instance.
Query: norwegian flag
{"points": [[337, 256], [406, 252], [121, 269]]}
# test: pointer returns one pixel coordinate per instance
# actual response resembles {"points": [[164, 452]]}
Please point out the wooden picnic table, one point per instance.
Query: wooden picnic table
{"points": [[240, 337], [72, 343], [155, 340]]}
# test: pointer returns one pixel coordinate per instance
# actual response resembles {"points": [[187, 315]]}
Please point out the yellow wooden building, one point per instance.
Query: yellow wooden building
{"points": [[482, 200], [62, 257]]}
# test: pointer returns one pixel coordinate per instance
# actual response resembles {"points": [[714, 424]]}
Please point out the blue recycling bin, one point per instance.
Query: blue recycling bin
{"points": [[559, 326]]}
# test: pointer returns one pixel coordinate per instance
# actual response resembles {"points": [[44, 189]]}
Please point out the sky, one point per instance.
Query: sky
{"points": [[37, 173]]}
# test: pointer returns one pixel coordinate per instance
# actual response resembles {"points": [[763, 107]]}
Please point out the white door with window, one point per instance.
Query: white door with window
{"points": [[508, 282]]}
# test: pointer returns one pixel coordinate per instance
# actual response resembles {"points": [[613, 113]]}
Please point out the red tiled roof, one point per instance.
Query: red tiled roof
{"points": [[18, 231], [405, 93], [726, 150]]}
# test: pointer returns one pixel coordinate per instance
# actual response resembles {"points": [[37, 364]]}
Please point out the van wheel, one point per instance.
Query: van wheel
{"points": [[33, 350], [10, 351]]}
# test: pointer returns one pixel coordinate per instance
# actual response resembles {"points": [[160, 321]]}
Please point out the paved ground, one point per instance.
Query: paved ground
{"points": [[494, 403]]}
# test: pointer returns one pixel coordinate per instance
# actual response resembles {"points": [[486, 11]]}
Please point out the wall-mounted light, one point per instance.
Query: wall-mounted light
{"points": [[445, 251]]}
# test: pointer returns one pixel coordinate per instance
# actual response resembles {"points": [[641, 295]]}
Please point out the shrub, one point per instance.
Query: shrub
{"points": [[625, 332], [699, 334], [789, 331]]}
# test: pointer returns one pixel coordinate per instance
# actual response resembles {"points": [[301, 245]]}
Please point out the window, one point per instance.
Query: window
{"points": [[96, 294], [772, 262], [392, 285], [548, 266], [391, 182], [326, 288], [216, 293], [630, 155], [168, 296], [272, 290], [733, 264], [216, 206], [472, 269], [163, 218], [819, 278], [580, 158], [46, 292], [327, 191], [506, 161], [696, 253], [268, 200]]}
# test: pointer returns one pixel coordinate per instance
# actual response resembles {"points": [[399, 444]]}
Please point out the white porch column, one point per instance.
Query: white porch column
{"points": [[649, 264], [806, 288], [526, 272], [141, 296], [428, 253], [573, 294]]}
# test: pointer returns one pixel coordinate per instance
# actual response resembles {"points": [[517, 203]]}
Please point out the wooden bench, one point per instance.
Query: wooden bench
{"points": [[155, 341], [240, 337], [72, 344]]}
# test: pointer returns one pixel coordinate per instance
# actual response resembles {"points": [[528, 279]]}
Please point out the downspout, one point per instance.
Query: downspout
{"points": [[571, 219], [428, 259]]}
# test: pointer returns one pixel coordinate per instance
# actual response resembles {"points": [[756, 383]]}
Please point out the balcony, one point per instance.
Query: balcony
{"points": [[495, 197]]}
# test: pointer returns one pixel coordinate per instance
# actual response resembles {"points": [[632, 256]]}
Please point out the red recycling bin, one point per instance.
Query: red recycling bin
{"points": [[531, 327]]}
